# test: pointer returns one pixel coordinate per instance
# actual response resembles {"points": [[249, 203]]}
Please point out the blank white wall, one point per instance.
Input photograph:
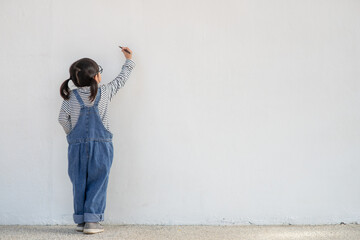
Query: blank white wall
{"points": [[237, 112]]}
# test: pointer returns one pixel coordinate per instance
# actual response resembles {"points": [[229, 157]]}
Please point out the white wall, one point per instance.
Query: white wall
{"points": [[237, 112]]}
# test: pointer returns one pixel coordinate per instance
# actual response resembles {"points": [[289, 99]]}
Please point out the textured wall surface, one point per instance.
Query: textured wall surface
{"points": [[237, 112]]}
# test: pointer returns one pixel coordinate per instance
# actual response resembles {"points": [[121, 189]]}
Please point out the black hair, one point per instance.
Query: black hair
{"points": [[82, 73]]}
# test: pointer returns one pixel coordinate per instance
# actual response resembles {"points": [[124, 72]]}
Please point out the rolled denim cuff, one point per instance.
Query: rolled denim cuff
{"points": [[93, 217], [78, 218]]}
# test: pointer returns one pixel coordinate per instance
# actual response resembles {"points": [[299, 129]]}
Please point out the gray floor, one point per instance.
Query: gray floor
{"points": [[198, 232]]}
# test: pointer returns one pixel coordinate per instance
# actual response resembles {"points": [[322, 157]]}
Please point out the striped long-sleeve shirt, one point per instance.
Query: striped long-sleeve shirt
{"points": [[70, 109]]}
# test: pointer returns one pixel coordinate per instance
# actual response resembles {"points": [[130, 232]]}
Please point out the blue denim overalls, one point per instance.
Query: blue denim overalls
{"points": [[90, 156]]}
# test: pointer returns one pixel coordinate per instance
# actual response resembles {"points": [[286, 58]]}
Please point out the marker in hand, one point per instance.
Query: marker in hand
{"points": [[125, 50]]}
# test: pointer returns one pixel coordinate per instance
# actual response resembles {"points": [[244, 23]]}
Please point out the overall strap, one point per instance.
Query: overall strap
{"points": [[79, 98], [97, 97]]}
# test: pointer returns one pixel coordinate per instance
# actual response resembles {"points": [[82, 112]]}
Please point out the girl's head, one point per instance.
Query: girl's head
{"points": [[83, 72]]}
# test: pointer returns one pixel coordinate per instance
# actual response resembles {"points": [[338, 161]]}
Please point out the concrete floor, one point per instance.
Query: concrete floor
{"points": [[186, 232]]}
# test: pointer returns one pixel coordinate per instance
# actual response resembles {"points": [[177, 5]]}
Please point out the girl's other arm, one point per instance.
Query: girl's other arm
{"points": [[114, 86], [64, 116]]}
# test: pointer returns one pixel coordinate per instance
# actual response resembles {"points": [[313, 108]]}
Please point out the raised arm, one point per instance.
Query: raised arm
{"points": [[114, 86]]}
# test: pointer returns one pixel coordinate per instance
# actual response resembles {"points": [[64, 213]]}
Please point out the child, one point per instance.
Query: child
{"points": [[83, 115]]}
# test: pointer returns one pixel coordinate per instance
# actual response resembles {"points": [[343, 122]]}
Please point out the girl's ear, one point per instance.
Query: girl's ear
{"points": [[96, 77]]}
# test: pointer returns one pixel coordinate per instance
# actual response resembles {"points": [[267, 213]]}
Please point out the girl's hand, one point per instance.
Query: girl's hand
{"points": [[127, 55]]}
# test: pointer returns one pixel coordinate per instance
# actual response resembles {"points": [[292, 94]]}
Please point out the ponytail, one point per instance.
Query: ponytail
{"points": [[93, 89], [65, 90]]}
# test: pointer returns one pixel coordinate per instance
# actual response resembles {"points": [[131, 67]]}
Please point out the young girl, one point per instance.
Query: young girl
{"points": [[83, 115]]}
